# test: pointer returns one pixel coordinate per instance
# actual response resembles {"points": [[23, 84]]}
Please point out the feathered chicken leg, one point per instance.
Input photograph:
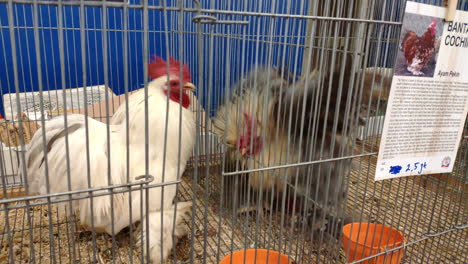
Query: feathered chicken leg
{"points": [[157, 230]]}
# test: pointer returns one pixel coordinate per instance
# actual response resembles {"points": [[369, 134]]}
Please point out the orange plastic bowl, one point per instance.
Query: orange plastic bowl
{"points": [[256, 256], [361, 240]]}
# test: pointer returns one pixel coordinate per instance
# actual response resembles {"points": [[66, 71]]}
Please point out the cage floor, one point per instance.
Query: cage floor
{"points": [[415, 210], [409, 204], [227, 231], [41, 233], [414, 205]]}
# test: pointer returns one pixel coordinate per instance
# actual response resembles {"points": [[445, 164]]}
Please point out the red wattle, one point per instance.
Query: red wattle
{"points": [[175, 97]]}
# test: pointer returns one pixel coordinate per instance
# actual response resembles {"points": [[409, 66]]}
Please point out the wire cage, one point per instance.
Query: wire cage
{"points": [[288, 184]]}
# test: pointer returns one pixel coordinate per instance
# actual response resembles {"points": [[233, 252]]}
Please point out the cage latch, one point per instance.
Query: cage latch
{"points": [[205, 19]]}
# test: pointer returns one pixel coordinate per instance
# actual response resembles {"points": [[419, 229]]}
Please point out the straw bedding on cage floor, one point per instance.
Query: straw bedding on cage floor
{"points": [[229, 230], [53, 234], [213, 235], [415, 209], [399, 203], [45, 236]]}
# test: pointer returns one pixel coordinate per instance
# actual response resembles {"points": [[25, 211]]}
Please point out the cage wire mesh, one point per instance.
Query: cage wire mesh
{"points": [[273, 165]]}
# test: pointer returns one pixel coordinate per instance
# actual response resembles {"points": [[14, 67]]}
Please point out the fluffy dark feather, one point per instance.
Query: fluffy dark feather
{"points": [[297, 121]]}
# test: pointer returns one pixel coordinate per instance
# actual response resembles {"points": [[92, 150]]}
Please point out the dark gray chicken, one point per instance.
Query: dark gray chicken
{"points": [[270, 122]]}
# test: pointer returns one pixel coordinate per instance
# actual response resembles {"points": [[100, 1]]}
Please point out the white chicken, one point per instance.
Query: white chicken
{"points": [[165, 168]]}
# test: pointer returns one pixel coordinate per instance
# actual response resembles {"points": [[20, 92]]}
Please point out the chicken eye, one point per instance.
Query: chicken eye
{"points": [[174, 83]]}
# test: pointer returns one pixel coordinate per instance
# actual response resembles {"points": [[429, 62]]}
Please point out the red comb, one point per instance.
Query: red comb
{"points": [[248, 121], [158, 68]]}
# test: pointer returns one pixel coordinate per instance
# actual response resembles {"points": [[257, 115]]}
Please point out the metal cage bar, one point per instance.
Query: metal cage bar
{"points": [[106, 159]]}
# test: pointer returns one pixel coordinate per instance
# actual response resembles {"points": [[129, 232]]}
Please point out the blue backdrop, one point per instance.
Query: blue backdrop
{"points": [[217, 51]]}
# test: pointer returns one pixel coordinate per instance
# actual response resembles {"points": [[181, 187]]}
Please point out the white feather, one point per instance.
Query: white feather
{"points": [[57, 179]]}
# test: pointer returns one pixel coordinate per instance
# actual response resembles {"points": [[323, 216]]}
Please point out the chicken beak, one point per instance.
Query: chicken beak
{"points": [[243, 151], [189, 86]]}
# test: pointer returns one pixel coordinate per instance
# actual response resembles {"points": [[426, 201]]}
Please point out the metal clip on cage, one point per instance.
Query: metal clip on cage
{"points": [[204, 19]]}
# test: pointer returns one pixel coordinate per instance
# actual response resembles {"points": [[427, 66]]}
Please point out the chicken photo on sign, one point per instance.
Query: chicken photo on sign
{"points": [[419, 45]]}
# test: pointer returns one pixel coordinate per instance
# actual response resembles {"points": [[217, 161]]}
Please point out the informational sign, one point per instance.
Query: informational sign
{"points": [[428, 101]]}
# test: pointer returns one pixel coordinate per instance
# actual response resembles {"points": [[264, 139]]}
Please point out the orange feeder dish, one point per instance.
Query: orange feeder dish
{"points": [[361, 240], [256, 256]]}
